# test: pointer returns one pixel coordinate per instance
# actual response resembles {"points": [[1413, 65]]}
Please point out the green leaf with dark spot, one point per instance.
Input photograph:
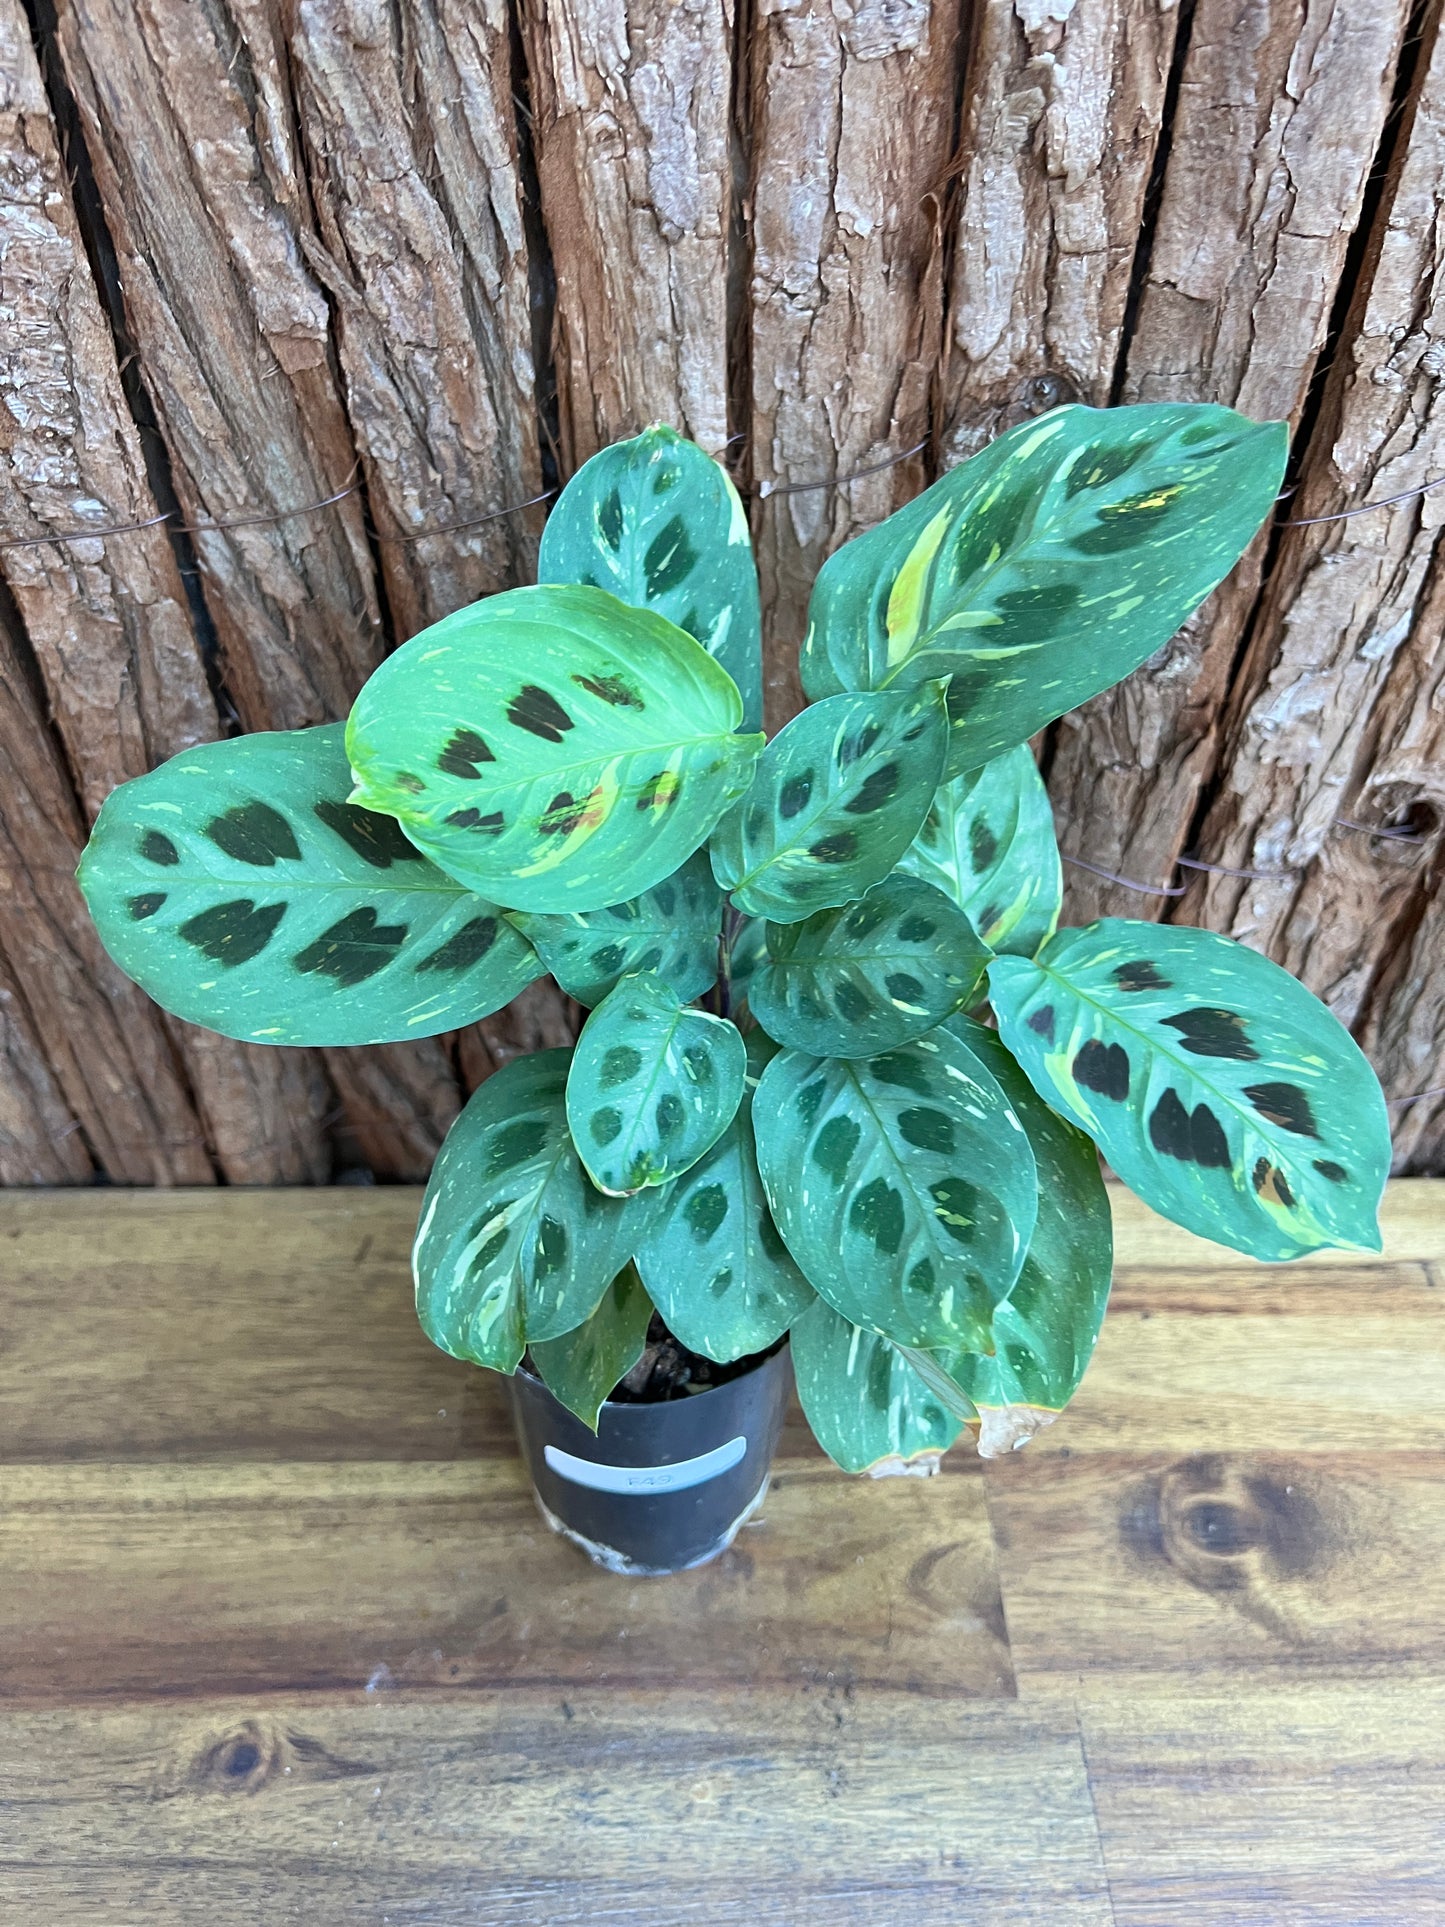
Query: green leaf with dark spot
{"points": [[582, 1367], [610, 747], [271, 909], [988, 842], [903, 1185], [867, 1406], [514, 1246], [861, 978], [1045, 1331], [1228, 1145], [840, 794], [1047, 567], [653, 1086], [671, 932], [714, 1263], [658, 523]]}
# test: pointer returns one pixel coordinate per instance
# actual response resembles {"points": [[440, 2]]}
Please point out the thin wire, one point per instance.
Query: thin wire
{"points": [[1127, 883], [471, 522], [766, 489], [82, 535], [1390, 501], [1391, 836], [1436, 1090], [1224, 870], [257, 521]]}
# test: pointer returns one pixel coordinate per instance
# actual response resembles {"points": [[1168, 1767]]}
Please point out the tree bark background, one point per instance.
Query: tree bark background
{"points": [[428, 255]]}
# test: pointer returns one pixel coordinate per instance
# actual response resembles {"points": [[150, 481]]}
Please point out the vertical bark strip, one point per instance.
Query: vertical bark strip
{"points": [[853, 111], [407, 118], [632, 108], [192, 133], [192, 139], [107, 619], [1337, 711], [40, 1141], [1281, 109], [1345, 642], [1061, 119], [106, 1042]]}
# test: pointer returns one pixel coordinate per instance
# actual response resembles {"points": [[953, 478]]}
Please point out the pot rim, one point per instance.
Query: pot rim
{"points": [[687, 1403]]}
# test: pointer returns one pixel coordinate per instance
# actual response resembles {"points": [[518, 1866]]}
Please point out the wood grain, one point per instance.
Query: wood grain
{"points": [[632, 127], [281, 1634], [1282, 104], [680, 1810], [1319, 1807], [851, 131]]}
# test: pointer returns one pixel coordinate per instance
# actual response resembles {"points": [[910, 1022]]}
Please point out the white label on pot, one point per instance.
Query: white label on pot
{"points": [[646, 1478]]}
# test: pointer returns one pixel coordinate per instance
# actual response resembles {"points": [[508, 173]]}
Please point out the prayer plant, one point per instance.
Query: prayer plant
{"points": [[842, 1076]]}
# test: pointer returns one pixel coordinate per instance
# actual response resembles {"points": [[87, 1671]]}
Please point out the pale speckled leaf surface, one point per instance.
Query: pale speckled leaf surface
{"points": [[988, 843], [867, 1407], [671, 932], [1216, 1086], [864, 977], [839, 795], [515, 1245], [716, 1267], [653, 1085], [1047, 567], [244, 892], [582, 1367], [903, 1185], [552, 747], [1045, 1331], [657, 522]]}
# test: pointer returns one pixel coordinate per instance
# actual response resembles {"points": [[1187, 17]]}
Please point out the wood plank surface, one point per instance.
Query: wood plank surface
{"points": [[281, 1636]]}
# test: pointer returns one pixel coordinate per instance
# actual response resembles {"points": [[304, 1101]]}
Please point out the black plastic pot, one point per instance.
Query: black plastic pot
{"points": [[660, 1487]]}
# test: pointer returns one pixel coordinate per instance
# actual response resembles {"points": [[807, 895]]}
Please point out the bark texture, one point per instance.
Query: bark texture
{"points": [[1338, 716], [192, 130], [410, 133], [852, 132], [828, 234], [632, 108], [193, 141], [107, 1044], [1281, 108], [106, 619], [40, 1141], [1062, 113]]}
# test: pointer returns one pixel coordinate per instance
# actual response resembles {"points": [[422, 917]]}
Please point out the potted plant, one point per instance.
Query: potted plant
{"points": [[842, 1078]]}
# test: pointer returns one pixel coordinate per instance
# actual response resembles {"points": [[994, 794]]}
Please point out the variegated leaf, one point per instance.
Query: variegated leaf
{"points": [[552, 747], [747, 952], [670, 932], [1045, 1331], [658, 523], [652, 1087], [988, 843], [1215, 1084], [867, 1407], [716, 1267], [860, 979], [582, 1367], [903, 1185], [515, 1246], [1047, 567], [840, 794], [240, 888]]}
